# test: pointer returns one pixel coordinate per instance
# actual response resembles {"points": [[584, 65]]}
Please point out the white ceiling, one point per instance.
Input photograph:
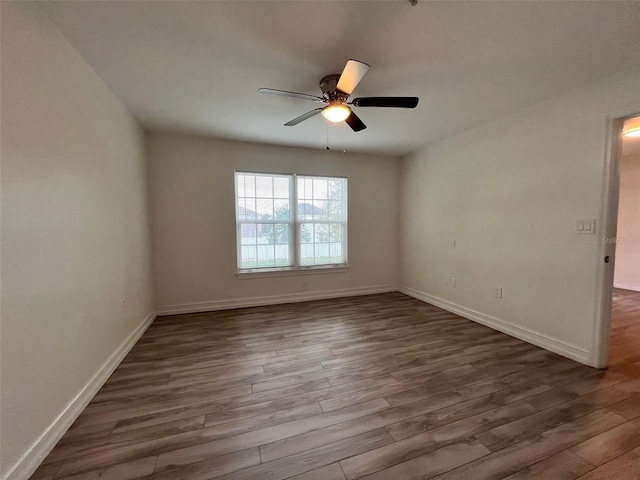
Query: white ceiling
{"points": [[196, 66]]}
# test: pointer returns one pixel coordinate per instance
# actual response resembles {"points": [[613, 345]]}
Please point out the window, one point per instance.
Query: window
{"points": [[290, 221]]}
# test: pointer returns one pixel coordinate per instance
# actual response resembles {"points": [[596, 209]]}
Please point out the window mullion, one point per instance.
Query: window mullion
{"points": [[295, 247]]}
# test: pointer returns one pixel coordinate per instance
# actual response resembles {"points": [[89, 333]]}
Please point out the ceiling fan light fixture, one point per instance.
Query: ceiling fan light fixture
{"points": [[631, 127], [336, 112], [336, 90]]}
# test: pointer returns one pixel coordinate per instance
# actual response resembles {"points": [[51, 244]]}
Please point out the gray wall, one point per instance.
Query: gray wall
{"points": [[191, 182], [497, 207], [76, 277]]}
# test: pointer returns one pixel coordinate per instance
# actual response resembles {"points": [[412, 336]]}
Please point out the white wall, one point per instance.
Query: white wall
{"points": [[76, 280], [497, 206], [627, 269], [193, 221]]}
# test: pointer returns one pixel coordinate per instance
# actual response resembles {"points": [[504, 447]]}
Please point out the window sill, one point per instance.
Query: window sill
{"points": [[286, 272]]}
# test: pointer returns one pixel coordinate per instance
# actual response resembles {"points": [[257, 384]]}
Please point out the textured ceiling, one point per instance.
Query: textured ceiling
{"points": [[196, 66]]}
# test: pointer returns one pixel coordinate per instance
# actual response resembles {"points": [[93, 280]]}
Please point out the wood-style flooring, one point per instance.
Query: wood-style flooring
{"points": [[382, 387]]}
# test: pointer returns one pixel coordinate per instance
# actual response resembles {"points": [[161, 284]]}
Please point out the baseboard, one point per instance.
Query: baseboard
{"points": [[271, 300], [548, 343], [622, 286], [36, 453]]}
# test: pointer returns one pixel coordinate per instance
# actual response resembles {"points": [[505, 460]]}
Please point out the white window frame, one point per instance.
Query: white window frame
{"points": [[295, 226]]}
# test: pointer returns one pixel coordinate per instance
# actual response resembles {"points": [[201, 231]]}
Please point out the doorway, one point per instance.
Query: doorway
{"points": [[617, 339], [624, 343]]}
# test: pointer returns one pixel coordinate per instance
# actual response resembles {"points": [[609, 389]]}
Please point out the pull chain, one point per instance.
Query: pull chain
{"points": [[327, 123], [344, 138]]}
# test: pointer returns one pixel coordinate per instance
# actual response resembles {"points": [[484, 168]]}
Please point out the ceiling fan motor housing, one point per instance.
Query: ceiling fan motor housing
{"points": [[328, 85]]}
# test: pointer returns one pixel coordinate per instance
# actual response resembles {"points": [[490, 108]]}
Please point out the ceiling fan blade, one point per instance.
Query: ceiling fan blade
{"points": [[284, 93], [397, 102], [302, 118], [351, 76], [355, 123]]}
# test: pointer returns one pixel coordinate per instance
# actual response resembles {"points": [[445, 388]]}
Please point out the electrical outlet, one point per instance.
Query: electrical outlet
{"points": [[305, 286], [498, 292], [454, 282]]}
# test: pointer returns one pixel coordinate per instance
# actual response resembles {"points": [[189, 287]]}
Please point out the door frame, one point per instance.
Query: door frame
{"points": [[609, 220]]}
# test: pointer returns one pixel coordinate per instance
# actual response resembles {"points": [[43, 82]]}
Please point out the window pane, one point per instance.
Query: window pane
{"points": [[248, 233], [305, 211], [322, 244], [265, 245], [322, 253], [305, 189], [321, 198], [265, 235], [240, 184], [264, 208], [281, 210], [310, 210], [335, 233], [249, 257], [264, 198], [335, 189], [241, 210], [322, 213], [273, 233], [334, 210], [319, 188], [264, 186], [321, 231], [319, 210], [266, 256], [306, 254], [335, 250], [282, 256], [246, 209], [306, 233], [281, 234], [249, 185], [281, 188]]}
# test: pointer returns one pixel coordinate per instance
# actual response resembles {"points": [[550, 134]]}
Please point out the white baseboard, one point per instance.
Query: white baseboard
{"points": [[548, 343], [623, 286], [271, 300], [36, 453]]}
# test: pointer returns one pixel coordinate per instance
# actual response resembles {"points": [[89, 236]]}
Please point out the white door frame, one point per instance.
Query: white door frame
{"points": [[609, 222]]}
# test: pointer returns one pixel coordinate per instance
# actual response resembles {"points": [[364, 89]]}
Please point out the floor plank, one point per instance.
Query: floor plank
{"points": [[563, 465], [431, 464], [330, 472], [610, 444], [625, 467]]}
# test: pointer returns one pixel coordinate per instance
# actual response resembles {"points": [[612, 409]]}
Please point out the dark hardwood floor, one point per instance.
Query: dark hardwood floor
{"points": [[376, 387]]}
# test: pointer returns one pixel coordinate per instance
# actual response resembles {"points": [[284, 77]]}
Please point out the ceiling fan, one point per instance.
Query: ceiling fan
{"points": [[336, 89]]}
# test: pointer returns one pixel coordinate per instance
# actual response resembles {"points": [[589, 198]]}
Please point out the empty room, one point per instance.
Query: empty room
{"points": [[320, 240]]}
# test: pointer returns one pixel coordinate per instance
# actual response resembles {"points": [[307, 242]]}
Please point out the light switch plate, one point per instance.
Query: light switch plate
{"points": [[586, 227]]}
